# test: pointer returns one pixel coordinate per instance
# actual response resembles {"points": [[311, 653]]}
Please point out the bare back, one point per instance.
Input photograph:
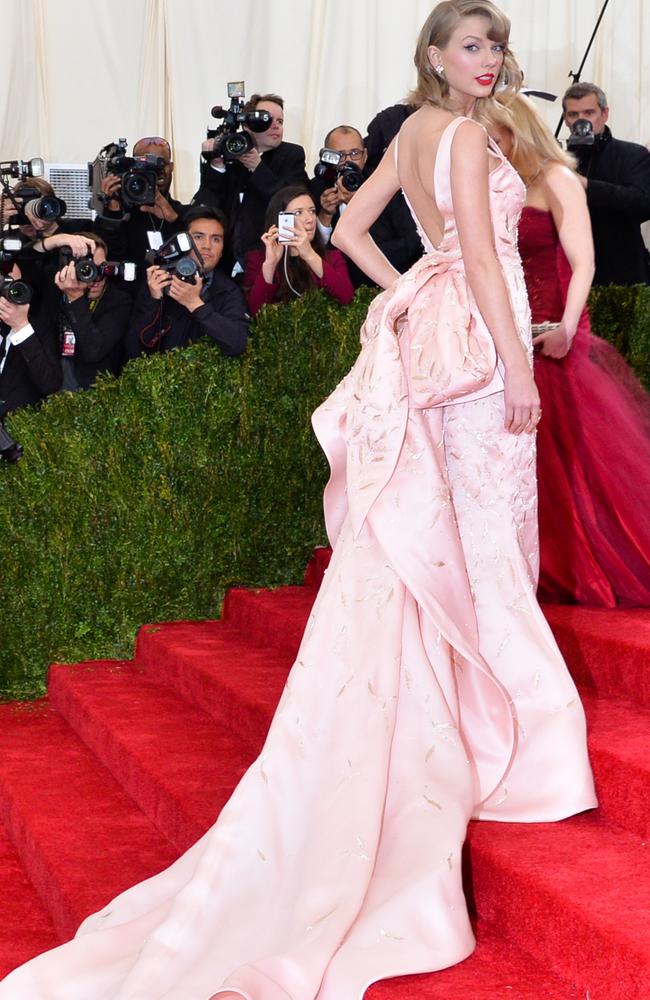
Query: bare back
{"points": [[417, 155]]}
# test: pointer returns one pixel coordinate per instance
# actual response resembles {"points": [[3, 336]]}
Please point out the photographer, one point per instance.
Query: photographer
{"points": [[242, 188], [29, 370], [170, 312], [616, 176], [130, 234], [394, 231], [41, 236], [93, 321]]}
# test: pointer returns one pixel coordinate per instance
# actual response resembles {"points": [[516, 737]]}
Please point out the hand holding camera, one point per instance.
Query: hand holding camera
{"points": [[160, 208], [66, 281], [14, 314]]}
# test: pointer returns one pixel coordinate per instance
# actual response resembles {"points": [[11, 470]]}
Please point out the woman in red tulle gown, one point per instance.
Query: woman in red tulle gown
{"points": [[594, 437]]}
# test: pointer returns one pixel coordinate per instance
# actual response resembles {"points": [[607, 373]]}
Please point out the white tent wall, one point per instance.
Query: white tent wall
{"points": [[78, 73]]}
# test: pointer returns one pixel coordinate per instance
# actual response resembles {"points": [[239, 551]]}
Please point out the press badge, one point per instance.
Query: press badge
{"points": [[154, 236], [67, 344]]}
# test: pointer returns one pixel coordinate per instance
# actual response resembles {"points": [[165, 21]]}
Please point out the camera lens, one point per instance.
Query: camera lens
{"points": [[351, 177], [86, 270], [186, 268], [47, 208], [237, 144], [17, 292]]}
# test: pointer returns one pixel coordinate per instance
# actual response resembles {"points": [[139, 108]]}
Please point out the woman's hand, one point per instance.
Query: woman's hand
{"points": [[523, 410], [301, 242], [555, 343], [273, 249]]}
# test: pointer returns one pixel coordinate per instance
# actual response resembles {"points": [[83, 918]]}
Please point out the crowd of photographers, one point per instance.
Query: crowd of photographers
{"points": [[79, 298]]}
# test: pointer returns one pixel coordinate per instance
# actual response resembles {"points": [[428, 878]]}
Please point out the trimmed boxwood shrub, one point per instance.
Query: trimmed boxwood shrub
{"points": [[145, 497]]}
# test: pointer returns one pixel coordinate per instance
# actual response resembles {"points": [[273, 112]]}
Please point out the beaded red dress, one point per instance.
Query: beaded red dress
{"points": [[593, 448]]}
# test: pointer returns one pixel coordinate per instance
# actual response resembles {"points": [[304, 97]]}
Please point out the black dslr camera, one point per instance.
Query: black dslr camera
{"points": [[87, 271], [44, 207], [29, 197], [330, 168], [231, 139], [582, 135], [13, 289], [139, 176], [174, 257]]}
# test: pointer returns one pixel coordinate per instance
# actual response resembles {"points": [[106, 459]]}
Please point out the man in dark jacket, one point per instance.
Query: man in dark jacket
{"points": [[130, 234], [29, 369], [616, 176], [170, 312], [93, 319], [394, 231], [242, 188]]}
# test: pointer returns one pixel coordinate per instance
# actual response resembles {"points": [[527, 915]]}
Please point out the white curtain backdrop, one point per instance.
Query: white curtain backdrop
{"points": [[78, 73]]}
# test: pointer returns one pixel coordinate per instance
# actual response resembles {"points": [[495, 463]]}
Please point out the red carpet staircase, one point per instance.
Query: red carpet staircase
{"points": [[125, 764]]}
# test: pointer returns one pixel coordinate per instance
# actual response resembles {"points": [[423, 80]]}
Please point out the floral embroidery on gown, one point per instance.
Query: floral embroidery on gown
{"points": [[427, 689], [593, 448]]}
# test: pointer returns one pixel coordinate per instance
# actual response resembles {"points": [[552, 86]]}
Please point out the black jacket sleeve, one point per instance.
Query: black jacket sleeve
{"points": [[42, 365], [99, 333]]}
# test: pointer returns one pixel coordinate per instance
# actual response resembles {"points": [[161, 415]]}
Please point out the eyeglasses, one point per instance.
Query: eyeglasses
{"points": [[351, 154]]}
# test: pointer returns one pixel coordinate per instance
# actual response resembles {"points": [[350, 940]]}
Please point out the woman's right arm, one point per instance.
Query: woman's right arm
{"points": [[568, 204], [471, 200]]}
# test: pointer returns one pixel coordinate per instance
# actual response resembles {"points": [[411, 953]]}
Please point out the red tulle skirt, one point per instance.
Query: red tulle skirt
{"points": [[594, 477]]}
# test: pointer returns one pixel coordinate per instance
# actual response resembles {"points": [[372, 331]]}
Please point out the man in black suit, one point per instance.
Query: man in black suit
{"points": [[394, 231], [616, 177], [170, 312], [242, 188], [92, 320], [29, 369]]}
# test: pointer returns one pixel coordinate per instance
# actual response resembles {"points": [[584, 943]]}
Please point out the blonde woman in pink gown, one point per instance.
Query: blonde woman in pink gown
{"points": [[428, 688]]}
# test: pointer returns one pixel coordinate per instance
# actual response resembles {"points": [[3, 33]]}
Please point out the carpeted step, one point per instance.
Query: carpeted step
{"points": [[272, 618], [216, 667], [606, 650], [239, 682], [179, 766], [26, 928], [80, 837], [497, 970], [619, 750], [575, 894]]}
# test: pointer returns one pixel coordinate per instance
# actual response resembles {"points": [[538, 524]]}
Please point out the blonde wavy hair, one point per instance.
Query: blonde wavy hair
{"points": [[533, 143], [431, 87]]}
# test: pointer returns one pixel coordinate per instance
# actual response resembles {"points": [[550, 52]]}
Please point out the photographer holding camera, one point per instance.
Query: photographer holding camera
{"points": [[242, 186], [187, 296], [29, 370], [616, 176], [338, 175], [91, 316], [43, 228], [131, 230]]}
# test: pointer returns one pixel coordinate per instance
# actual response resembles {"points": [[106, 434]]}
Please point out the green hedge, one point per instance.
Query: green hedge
{"points": [[144, 498]]}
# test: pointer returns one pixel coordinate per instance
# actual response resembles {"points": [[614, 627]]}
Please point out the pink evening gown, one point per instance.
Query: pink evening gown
{"points": [[593, 448], [428, 688]]}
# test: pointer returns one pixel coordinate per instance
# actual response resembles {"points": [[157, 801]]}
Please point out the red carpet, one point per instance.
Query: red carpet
{"points": [[126, 764]]}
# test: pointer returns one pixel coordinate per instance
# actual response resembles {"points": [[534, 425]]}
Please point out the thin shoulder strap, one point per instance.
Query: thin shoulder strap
{"points": [[442, 170]]}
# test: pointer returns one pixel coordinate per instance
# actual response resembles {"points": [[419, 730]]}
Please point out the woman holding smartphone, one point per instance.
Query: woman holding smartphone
{"points": [[295, 258]]}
